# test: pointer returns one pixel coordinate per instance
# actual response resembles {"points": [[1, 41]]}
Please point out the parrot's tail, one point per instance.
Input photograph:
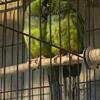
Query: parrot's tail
{"points": [[69, 78], [55, 91], [69, 88], [72, 70], [53, 77]]}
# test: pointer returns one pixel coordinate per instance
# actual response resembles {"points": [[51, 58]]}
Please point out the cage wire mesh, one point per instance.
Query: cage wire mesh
{"points": [[37, 30]]}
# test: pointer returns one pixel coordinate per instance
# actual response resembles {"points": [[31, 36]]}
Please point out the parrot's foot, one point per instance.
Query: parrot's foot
{"points": [[70, 56], [31, 60], [38, 60], [55, 58]]}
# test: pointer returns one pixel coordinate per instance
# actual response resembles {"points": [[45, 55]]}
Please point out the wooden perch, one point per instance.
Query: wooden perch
{"points": [[45, 62], [92, 58]]}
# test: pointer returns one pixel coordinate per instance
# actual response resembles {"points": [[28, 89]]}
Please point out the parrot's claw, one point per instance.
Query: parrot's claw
{"points": [[38, 60], [69, 55], [30, 61], [55, 58]]}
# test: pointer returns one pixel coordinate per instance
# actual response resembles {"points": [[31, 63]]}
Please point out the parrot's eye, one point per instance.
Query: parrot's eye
{"points": [[48, 5], [45, 10]]}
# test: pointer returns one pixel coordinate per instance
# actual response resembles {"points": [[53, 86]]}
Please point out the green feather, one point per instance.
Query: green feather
{"points": [[70, 23], [35, 30]]}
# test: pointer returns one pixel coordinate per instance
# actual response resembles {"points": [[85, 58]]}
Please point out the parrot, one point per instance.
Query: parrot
{"points": [[70, 37], [73, 46], [72, 32]]}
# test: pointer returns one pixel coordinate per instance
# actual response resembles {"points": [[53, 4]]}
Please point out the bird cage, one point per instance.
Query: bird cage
{"points": [[49, 49]]}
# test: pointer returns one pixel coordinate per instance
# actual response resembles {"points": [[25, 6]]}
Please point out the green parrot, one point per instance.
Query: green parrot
{"points": [[71, 34], [71, 23], [66, 39]]}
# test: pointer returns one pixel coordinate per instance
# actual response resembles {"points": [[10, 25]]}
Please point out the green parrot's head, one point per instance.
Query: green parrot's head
{"points": [[38, 8]]}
